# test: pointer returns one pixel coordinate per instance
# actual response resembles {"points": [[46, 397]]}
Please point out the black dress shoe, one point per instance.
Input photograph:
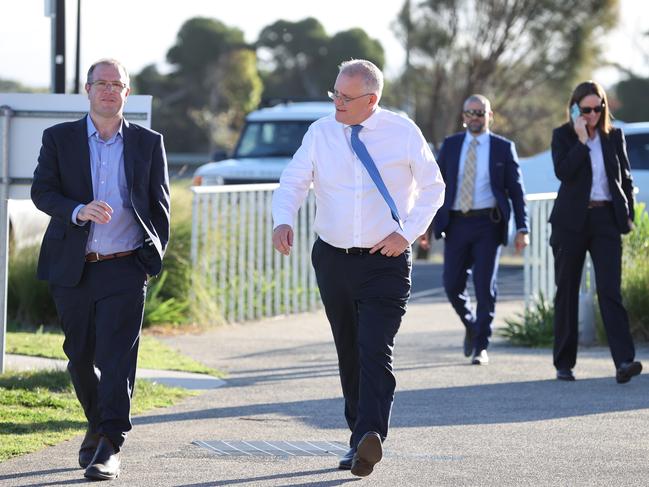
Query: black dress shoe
{"points": [[88, 448], [368, 453], [626, 370], [469, 334], [105, 464], [565, 374], [480, 358], [346, 460]]}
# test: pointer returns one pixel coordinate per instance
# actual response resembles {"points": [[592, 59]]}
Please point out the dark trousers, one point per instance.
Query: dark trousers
{"points": [[365, 298], [472, 245], [101, 319], [601, 238]]}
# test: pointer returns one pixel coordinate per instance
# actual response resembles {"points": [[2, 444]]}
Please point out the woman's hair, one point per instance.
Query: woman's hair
{"points": [[592, 88]]}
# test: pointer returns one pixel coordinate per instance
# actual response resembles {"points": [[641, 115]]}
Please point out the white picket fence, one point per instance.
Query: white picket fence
{"points": [[538, 266], [231, 247]]}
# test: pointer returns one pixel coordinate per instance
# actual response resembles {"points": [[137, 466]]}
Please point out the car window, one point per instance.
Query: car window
{"points": [[271, 139], [637, 146]]}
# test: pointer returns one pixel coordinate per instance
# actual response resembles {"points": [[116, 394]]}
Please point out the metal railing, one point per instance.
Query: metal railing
{"points": [[233, 256]]}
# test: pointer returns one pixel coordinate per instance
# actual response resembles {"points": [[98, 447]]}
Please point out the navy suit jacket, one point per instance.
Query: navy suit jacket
{"points": [[572, 167], [62, 181], [504, 174]]}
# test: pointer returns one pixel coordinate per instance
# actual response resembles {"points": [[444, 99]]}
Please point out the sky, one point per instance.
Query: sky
{"points": [[139, 32]]}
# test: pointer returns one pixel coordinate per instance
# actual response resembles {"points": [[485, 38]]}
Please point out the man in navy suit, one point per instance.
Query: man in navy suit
{"points": [[481, 173], [104, 183]]}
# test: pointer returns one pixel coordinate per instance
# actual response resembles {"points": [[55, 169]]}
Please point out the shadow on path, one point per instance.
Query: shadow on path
{"points": [[511, 402]]}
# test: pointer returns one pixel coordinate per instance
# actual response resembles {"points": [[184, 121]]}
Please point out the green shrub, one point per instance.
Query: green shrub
{"points": [[533, 328], [29, 304], [28, 300], [635, 274]]}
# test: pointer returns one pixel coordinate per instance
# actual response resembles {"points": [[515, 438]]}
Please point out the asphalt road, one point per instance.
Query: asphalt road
{"points": [[427, 285]]}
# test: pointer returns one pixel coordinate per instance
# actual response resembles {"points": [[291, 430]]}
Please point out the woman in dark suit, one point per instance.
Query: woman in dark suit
{"points": [[594, 207]]}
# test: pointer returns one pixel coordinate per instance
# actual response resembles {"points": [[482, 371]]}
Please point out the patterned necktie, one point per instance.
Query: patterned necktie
{"points": [[468, 178], [365, 157]]}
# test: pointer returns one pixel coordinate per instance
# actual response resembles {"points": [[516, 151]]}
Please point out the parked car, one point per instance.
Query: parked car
{"points": [[538, 170], [267, 142]]}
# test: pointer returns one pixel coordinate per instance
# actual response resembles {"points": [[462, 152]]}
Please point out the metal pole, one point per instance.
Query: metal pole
{"points": [[77, 67], [7, 113], [58, 24]]}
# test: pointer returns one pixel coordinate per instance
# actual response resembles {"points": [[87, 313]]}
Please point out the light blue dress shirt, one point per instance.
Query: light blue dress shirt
{"points": [[483, 197], [122, 232]]}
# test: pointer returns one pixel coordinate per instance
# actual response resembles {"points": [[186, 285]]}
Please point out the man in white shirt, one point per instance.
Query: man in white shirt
{"points": [[377, 188]]}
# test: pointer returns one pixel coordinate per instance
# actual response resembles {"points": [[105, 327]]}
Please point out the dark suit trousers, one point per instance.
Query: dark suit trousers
{"points": [[101, 318], [365, 298], [601, 238], [472, 245]]}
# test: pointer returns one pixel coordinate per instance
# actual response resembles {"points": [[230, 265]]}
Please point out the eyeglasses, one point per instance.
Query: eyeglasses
{"points": [[335, 96], [102, 85], [587, 110], [474, 113]]}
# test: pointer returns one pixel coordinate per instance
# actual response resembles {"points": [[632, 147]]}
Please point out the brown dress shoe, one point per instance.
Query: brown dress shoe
{"points": [[105, 464], [88, 448], [368, 453]]}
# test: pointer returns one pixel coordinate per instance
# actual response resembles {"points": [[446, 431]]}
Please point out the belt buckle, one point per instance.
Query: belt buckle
{"points": [[97, 259], [347, 251]]}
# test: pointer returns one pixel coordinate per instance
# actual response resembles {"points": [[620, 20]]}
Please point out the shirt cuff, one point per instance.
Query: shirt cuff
{"points": [[74, 216]]}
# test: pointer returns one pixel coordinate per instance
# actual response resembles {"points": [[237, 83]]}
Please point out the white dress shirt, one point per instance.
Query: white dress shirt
{"points": [[483, 196], [350, 211], [599, 190]]}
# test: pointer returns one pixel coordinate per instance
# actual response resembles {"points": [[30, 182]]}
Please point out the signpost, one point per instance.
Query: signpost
{"points": [[23, 117]]}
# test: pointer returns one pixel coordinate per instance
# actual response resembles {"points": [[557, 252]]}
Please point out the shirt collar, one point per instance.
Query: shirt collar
{"points": [[371, 121], [92, 130], [482, 138]]}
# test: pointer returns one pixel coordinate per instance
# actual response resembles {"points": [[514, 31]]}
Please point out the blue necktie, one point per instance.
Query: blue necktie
{"points": [[366, 159]]}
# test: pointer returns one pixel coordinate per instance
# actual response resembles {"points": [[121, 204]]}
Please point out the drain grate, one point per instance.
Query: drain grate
{"points": [[274, 448]]}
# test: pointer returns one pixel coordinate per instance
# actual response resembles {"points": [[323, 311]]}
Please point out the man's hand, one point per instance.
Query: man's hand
{"points": [[424, 242], [283, 239], [521, 241], [96, 211], [392, 245]]}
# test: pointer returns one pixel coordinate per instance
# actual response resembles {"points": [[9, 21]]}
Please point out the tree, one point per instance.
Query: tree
{"points": [[632, 91], [202, 103], [632, 99], [299, 59], [525, 55]]}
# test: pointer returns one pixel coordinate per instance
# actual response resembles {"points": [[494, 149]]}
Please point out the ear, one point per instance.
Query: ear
{"points": [[87, 87]]}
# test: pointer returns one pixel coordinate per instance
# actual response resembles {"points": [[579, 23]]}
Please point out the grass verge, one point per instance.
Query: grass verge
{"points": [[153, 353], [39, 409]]}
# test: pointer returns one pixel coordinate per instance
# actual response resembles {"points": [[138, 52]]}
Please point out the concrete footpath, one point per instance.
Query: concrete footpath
{"points": [[506, 424]]}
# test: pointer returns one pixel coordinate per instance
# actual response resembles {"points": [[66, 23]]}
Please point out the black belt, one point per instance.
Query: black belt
{"points": [[598, 204], [350, 251], [471, 213], [95, 257]]}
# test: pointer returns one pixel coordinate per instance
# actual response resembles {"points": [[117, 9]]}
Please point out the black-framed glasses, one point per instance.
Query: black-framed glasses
{"points": [[475, 113], [116, 86], [587, 110], [335, 96]]}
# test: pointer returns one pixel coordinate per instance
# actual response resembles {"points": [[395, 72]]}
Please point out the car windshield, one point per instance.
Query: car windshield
{"points": [[637, 146], [271, 139]]}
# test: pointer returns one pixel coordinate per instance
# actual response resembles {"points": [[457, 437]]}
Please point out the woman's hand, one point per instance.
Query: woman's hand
{"points": [[580, 129]]}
